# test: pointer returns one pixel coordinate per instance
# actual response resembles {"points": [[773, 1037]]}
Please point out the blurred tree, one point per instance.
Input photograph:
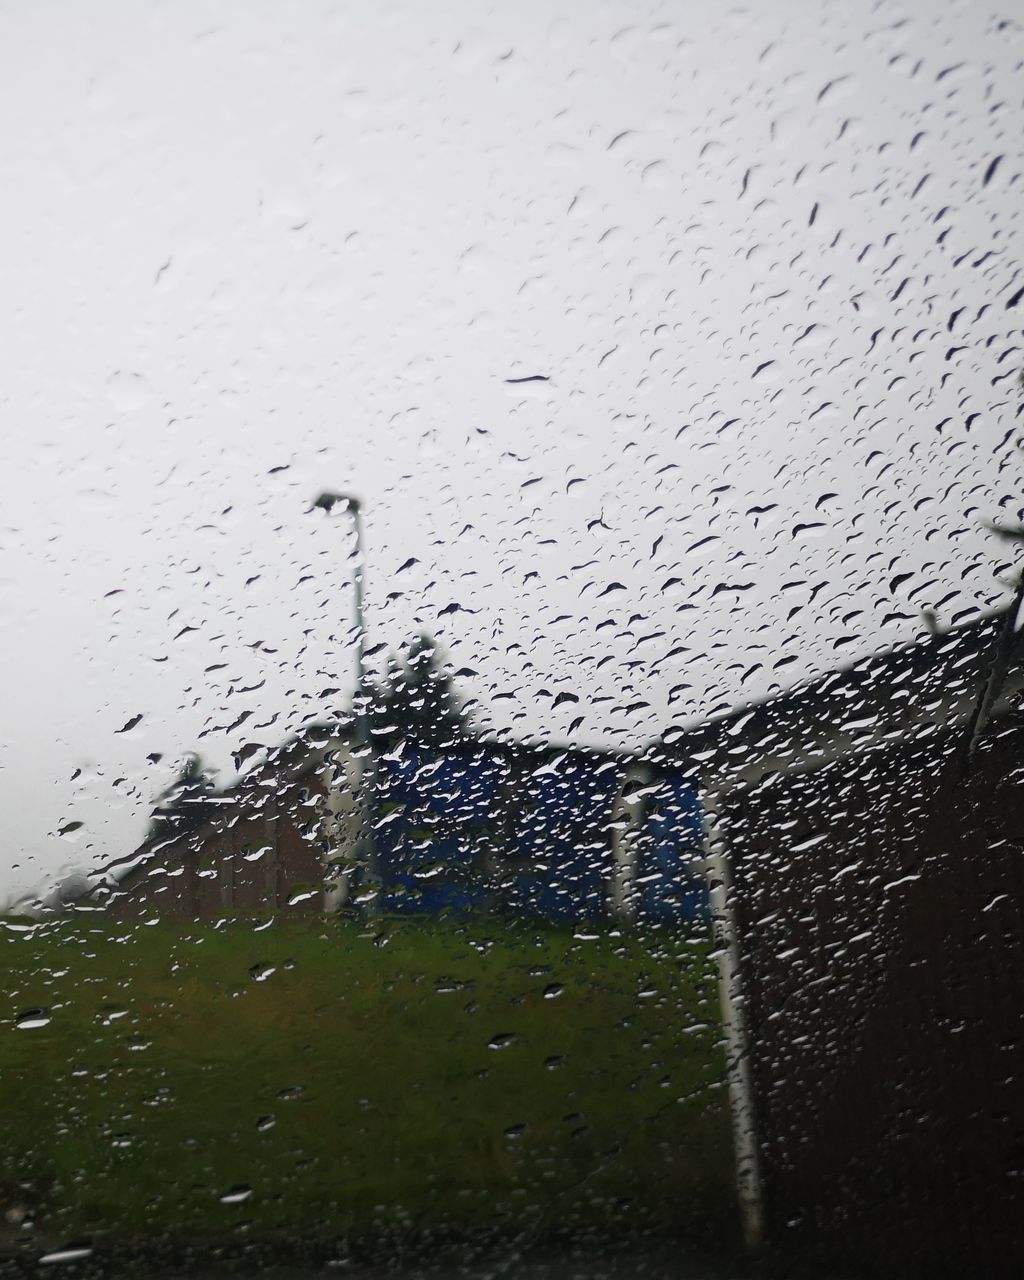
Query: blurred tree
{"points": [[416, 699], [187, 802]]}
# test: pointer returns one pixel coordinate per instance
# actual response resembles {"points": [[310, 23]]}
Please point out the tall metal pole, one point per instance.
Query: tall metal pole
{"points": [[360, 591], [351, 505], [734, 1025], [327, 502]]}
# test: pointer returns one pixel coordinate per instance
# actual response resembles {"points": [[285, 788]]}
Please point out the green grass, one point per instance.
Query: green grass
{"points": [[358, 1081]]}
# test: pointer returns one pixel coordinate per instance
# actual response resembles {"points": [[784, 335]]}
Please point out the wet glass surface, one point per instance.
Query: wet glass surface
{"points": [[510, 579]]}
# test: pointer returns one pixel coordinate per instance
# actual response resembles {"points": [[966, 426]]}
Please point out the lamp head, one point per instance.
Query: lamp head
{"points": [[328, 500]]}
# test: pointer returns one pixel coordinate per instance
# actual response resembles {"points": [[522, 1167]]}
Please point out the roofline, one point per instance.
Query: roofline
{"points": [[901, 693], [808, 683]]}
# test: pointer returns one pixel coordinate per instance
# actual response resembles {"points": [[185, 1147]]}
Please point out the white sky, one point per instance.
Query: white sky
{"points": [[241, 237]]}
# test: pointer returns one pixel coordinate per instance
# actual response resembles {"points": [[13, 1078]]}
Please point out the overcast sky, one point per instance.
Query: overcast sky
{"points": [[762, 255]]}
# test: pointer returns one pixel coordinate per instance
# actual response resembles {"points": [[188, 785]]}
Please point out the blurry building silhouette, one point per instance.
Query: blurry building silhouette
{"points": [[870, 825], [861, 841], [417, 828]]}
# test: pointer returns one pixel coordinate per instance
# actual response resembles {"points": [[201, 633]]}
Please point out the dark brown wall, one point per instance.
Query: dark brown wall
{"points": [[880, 906], [219, 869]]}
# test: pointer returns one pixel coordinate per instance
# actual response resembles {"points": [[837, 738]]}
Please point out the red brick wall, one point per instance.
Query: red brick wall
{"points": [[254, 860]]}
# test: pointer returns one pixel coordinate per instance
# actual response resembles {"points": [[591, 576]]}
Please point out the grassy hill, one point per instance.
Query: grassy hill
{"points": [[336, 1081]]}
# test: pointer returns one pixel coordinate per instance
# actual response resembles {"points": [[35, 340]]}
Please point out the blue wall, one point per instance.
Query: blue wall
{"points": [[485, 829], [669, 887]]}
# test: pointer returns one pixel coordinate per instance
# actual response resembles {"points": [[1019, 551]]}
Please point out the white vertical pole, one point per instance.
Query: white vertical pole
{"points": [[627, 820], [359, 582], [340, 782], [366, 850], [734, 1025], [357, 778]]}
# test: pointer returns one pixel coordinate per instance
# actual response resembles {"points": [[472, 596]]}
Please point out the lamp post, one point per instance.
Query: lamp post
{"points": [[347, 504], [351, 506]]}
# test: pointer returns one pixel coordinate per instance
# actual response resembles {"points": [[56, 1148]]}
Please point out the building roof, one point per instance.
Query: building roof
{"points": [[964, 678]]}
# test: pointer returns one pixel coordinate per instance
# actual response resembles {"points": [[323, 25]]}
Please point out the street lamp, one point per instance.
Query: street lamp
{"points": [[330, 502], [347, 504]]}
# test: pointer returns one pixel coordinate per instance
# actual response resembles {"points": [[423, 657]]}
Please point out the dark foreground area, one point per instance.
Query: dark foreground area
{"points": [[386, 1096]]}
